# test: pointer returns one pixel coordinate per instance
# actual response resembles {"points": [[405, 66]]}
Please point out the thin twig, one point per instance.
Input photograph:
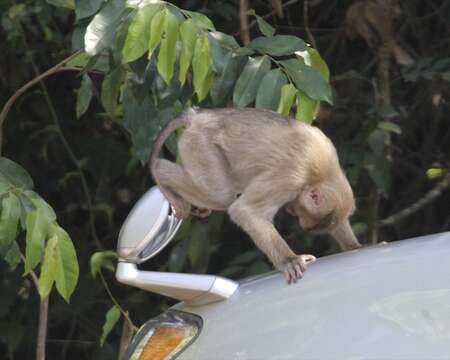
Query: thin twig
{"points": [[43, 317], [55, 69], [113, 299], [32, 274], [383, 100], [306, 23], [243, 17], [273, 12], [431, 195], [42, 329], [125, 338]]}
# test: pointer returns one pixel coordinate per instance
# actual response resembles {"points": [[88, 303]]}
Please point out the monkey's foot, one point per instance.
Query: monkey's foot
{"points": [[182, 208], [296, 266], [200, 212]]}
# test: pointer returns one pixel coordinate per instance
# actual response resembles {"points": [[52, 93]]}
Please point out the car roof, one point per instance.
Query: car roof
{"points": [[385, 301]]}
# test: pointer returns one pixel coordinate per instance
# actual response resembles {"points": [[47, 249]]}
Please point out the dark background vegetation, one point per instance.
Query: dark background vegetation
{"points": [[388, 172]]}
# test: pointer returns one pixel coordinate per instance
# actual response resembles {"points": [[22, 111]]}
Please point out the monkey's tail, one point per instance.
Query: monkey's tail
{"points": [[182, 120]]}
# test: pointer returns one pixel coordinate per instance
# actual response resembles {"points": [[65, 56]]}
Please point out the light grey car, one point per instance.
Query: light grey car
{"points": [[389, 301]]}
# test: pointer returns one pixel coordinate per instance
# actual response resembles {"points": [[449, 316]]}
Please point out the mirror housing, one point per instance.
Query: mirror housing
{"points": [[149, 227]]}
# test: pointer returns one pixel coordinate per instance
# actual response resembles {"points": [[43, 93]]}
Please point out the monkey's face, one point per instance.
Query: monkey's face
{"points": [[309, 221], [315, 208]]}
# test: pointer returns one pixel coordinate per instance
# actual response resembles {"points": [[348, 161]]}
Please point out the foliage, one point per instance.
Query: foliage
{"points": [[143, 64]]}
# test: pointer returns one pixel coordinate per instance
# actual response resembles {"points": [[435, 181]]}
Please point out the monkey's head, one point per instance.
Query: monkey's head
{"points": [[325, 208]]}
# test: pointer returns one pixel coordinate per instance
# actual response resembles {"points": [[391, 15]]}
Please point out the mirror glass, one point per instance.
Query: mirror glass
{"points": [[148, 228]]}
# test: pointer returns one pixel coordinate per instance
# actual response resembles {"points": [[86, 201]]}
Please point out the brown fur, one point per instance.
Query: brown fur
{"points": [[251, 163]]}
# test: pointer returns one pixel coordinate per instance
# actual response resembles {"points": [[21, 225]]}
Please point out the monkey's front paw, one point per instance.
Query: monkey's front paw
{"points": [[295, 267]]}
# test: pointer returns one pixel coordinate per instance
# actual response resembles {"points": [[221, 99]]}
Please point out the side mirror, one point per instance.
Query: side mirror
{"points": [[149, 227]]}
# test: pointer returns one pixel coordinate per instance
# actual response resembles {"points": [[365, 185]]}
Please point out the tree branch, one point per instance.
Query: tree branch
{"points": [[306, 23], [113, 299], [42, 329], [273, 12], [243, 17], [55, 69], [125, 338], [43, 317], [431, 195]]}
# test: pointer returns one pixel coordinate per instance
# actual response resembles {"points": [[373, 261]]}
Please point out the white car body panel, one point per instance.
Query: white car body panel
{"points": [[384, 302]]}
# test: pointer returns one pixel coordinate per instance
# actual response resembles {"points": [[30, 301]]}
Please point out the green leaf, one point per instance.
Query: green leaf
{"points": [[188, 34], [269, 91], [201, 64], [307, 79], [102, 259], [219, 54], [141, 120], [83, 60], [49, 268], [86, 8], [307, 108], [389, 126], [265, 28], [38, 201], [101, 30], [248, 82], [222, 87], [156, 31], [27, 207], [68, 4], [198, 252], [178, 256], [377, 142], [201, 20], [278, 45], [167, 50], [84, 95], [4, 187], [13, 174], [12, 256], [37, 230], [111, 319], [16, 11], [243, 51], [225, 40], [67, 269], [37, 224], [111, 89], [138, 35], [434, 172], [311, 57], [288, 93], [378, 169], [9, 221]]}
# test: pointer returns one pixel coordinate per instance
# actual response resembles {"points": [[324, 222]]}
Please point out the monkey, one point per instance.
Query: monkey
{"points": [[251, 163]]}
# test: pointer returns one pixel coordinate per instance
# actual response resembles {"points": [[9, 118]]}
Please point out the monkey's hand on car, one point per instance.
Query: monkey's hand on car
{"points": [[296, 266]]}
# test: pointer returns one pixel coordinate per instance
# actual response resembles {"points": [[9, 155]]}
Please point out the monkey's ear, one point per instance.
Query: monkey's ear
{"points": [[315, 195]]}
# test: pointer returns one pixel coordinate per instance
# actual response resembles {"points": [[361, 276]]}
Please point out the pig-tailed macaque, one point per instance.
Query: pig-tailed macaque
{"points": [[251, 163]]}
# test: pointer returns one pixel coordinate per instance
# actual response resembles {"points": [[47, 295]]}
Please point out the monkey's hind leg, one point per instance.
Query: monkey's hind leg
{"points": [[209, 170]]}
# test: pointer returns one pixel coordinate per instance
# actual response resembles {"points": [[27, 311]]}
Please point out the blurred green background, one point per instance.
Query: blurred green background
{"points": [[389, 122]]}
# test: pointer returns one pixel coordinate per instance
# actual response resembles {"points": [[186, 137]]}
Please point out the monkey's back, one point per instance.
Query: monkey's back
{"points": [[257, 141]]}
